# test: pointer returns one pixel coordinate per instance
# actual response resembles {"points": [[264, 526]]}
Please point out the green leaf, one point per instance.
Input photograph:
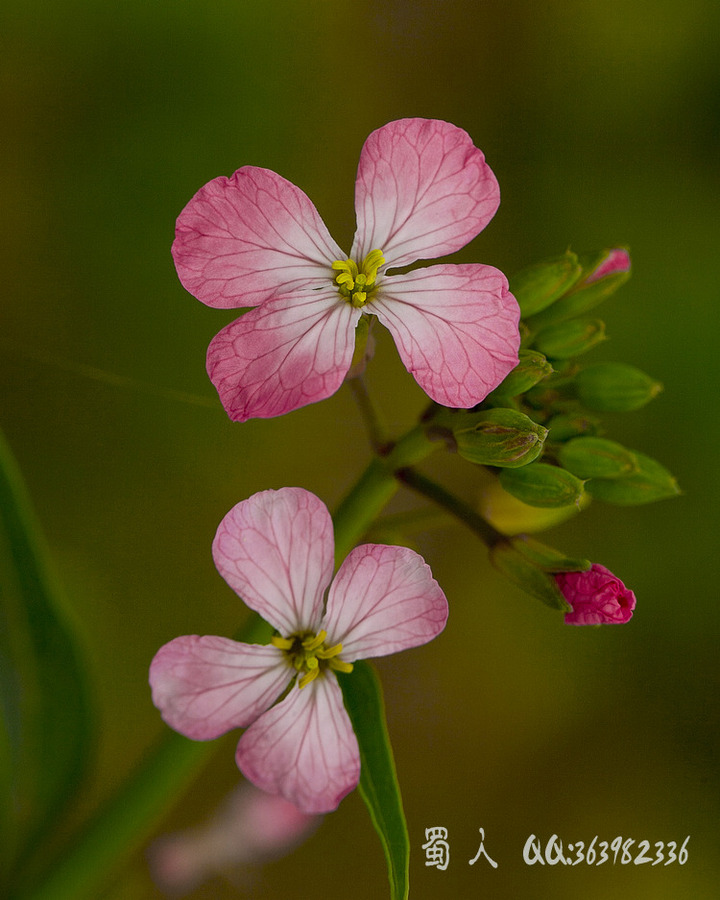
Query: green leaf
{"points": [[379, 787], [46, 712]]}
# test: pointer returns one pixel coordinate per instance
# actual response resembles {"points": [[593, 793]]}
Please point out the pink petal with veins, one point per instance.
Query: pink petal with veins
{"points": [[423, 190], [276, 551], [455, 327], [205, 686], [242, 239], [293, 350], [383, 599], [304, 748]]}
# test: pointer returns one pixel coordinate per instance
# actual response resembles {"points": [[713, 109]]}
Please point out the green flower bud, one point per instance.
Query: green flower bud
{"points": [[532, 579], [565, 426], [541, 284], [548, 558], [531, 369], [603, 273], [649, 482], [615, 387], [594, 457], [498, 437], [540, 484], [568, 339]]}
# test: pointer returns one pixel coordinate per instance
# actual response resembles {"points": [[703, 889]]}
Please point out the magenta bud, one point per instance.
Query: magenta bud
{"points": [[597, 597]]}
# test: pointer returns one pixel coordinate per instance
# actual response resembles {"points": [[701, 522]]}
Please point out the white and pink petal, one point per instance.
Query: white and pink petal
{"points": [[206, 686], [455, 328], [304, 748], [294, 350], [243, 239], [276, 551], [423, 190], [384, 599]]}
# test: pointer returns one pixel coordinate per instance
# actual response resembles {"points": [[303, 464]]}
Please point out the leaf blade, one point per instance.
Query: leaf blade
{"points": [[378, 786]]}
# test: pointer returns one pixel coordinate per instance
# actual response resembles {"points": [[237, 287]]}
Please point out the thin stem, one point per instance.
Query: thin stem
{"points": [[377, 431], [459, 508]]}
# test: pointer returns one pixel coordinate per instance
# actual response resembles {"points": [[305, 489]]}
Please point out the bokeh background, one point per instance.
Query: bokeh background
{"points": [[601, 121]]}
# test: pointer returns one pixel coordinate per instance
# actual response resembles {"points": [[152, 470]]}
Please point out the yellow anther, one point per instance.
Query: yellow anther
{"points": [[328, 652], [311, 644], [308, 677], [356, 283], [281, 643], [340, 665]]}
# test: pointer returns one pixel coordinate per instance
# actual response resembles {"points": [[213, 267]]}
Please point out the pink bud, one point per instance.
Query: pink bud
{"points": [[615, 262], [597, 597]]}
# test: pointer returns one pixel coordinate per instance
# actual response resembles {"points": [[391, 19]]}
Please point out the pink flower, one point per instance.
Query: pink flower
{"points": [[597, 597], [276, 551], [255, 240], [249, 828]]}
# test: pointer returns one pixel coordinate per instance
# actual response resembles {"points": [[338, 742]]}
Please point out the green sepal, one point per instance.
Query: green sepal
{"points": [[498, 437], [586, 293], [569, 339], [615, 387], [540, 285], [565, 426], [46, 726], [595, 457], [531, 368], [651, 481], [548, 558], [531, 578], [543, 485], [362, 693]]}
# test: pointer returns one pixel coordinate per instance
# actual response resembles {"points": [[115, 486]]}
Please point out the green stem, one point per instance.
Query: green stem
{"points": [[442, 497], [128, 817], [377, 432], [375, 487]]}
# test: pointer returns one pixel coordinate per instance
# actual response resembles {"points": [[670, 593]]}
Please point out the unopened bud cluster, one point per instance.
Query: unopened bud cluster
{"points": [[540, 431]]}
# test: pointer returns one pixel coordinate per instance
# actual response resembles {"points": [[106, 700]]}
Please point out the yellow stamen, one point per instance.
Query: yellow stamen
{"points": [[354, 284], [329, 652], [340, 665], [280, 642], [311, 644], [308, 677]]}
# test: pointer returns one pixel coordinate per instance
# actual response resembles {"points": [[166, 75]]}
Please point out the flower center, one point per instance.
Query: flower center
{"points": [[308, 655], [354, 284]]}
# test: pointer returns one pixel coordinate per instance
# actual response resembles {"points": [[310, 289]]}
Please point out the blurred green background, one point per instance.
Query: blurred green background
{"points": [[601, 121]]}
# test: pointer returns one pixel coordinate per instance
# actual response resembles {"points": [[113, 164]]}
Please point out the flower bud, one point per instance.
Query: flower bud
{"points": [[603, 273], [540, 285], [548, 558], [531, 369], [520, 570], [511, 516], [498, 437], [597, 597], [569, 425], [649, 482], [540, 484], [571, 338], [594, 457], [615, 387]]}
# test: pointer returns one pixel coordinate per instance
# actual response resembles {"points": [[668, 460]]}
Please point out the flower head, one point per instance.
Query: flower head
{"points": [[597, 597], [276, 551], [255, 240]]}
